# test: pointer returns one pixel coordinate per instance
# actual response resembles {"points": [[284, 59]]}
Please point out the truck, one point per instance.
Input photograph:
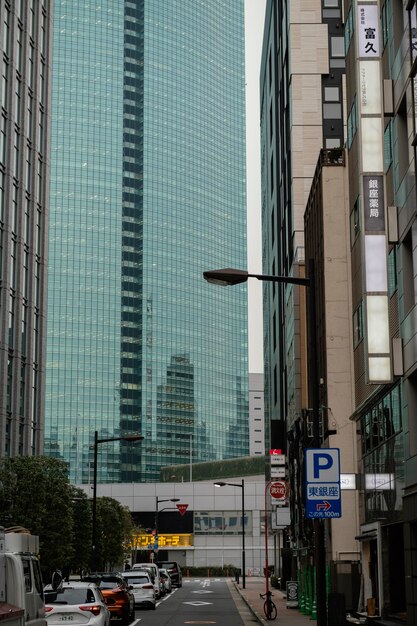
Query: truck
{"points": [[21, 587]]}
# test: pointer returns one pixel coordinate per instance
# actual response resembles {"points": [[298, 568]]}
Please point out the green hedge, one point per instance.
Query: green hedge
{"points": [[215, 470]]}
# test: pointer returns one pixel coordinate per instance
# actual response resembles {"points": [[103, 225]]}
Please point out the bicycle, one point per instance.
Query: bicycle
{"points": [[270, 609]]}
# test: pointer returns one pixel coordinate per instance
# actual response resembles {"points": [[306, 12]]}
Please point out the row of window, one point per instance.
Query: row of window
{"points": [[382, 421]]}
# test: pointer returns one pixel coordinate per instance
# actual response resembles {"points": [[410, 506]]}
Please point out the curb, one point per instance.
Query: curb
{"points": [[252, 609]]}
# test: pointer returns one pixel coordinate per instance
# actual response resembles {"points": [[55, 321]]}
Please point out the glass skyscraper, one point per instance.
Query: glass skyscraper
{"points": [[148, 190], [25, 70]]}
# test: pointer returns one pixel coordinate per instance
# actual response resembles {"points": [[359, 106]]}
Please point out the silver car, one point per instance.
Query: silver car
{"points": [[142, 587], [78, 603], [166, 578]]}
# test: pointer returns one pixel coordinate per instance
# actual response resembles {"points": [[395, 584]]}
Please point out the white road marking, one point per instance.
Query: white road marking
{"points": [[198, 603]]}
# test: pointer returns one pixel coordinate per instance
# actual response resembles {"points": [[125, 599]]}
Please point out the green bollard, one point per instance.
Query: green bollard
{"points": [[314, 605]]}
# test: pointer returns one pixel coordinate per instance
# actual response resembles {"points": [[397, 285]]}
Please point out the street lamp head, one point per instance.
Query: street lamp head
{"points": [[220, 484], [225, 277], [133, 438], [159, 500]]}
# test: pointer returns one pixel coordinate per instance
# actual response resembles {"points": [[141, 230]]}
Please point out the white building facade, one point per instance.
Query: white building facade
{"points": [[209, 533]]}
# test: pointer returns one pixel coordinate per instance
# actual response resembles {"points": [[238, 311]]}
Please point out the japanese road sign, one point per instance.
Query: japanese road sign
{"points": [[323, 497]]}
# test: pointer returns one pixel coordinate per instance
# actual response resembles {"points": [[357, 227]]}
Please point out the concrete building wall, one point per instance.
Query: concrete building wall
{"points": [[208, 550], [256, 415]]}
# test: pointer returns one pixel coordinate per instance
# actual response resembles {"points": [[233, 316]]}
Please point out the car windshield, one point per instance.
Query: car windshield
{"points": [[109, 584], [170, 566], [74, 596], [137, 580]]}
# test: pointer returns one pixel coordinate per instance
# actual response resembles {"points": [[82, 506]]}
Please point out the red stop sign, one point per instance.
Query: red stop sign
{"points": [[278, 490]]}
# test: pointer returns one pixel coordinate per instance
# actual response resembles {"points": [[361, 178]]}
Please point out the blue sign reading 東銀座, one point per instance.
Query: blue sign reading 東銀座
{"points": [[323, 494]]}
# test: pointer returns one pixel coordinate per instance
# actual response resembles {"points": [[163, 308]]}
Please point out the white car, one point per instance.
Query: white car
{"points": [[78, 603], [154, 571], [140, 583], [166, 578]]}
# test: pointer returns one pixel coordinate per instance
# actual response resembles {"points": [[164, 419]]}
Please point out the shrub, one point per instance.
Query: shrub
{"points": [[274, 582]]}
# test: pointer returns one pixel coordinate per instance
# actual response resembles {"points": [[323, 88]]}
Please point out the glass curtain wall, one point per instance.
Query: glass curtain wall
{"points": [[148, 191]]}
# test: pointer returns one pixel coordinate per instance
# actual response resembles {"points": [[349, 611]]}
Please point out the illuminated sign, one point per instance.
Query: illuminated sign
{"points": [[380, 482], [373, 203], [347, 481], [368, 31], [164, 541]]}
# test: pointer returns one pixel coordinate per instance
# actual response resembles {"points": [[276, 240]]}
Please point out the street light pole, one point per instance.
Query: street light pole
{"points": [[157, 503], [241, 486], [232, 276], [97, 441], [318, 524]]}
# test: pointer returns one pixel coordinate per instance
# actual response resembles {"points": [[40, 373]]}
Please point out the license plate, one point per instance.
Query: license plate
{"points": [[66, 618]]}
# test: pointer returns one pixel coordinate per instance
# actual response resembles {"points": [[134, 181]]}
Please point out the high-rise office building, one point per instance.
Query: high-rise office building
{"points": [[304, 224], [147, 191], [25, 50]]}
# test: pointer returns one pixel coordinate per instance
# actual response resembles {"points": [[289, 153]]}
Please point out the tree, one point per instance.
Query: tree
{"points": [[34, 493], [81, 531], [114, 530]]}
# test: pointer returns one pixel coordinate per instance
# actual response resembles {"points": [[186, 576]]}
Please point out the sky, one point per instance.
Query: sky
{"points": [[254, 23]]}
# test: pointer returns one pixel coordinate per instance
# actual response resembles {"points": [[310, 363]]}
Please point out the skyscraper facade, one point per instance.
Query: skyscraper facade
{"points": [[25, 56], [147, 191]]}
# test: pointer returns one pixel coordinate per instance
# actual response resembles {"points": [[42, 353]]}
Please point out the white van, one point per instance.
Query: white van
{"points": [[20, 575], [154, 570]]}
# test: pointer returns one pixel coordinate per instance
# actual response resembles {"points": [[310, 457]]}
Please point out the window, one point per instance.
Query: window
{"points": [[388, 146], [331, 94], [27, 573], [381, 421], [355, 221], [386, 16], [337, 46], [221, 522], [358, 325], [392, 271], [352, 123], [4, 89], [332, 111], [349, 28]]}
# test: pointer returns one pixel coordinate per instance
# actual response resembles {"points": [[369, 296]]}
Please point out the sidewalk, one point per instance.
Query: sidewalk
{"points": [[285, 617]]}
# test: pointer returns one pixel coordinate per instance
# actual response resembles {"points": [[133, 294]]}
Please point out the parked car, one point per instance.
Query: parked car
{"points": [[167, 579], [141, 585], [174, 570], [117, 595], [78, 603], [154, 570]]}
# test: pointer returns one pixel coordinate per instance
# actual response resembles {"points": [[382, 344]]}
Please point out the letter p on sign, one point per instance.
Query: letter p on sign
{"points": [[322, 465], [322, 462]]}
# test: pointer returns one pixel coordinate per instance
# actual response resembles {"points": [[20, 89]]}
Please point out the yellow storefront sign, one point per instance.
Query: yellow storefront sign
{"points": [[164, 541]]}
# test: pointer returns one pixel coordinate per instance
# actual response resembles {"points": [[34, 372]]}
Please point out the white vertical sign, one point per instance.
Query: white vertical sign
{"points": [[368, 31]]}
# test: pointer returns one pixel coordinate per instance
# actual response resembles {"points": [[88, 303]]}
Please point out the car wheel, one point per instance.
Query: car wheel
{"points": [[153, 607], [126, 619]]}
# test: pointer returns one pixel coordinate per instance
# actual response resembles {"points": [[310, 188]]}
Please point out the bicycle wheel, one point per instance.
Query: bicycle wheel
{"points": [[267, 609], [273, 611]]}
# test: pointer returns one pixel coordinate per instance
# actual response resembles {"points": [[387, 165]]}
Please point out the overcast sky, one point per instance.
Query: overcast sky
{"points": [[254, 18]]}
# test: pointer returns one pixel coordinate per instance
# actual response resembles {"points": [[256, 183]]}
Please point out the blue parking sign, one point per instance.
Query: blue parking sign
{"points": [[323, 494]]}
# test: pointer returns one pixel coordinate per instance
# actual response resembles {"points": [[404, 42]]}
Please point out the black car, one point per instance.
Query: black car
{"points": [[174, 570]]}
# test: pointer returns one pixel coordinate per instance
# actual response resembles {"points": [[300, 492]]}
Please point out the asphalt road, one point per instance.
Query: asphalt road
{"points": [[199, 601]]}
